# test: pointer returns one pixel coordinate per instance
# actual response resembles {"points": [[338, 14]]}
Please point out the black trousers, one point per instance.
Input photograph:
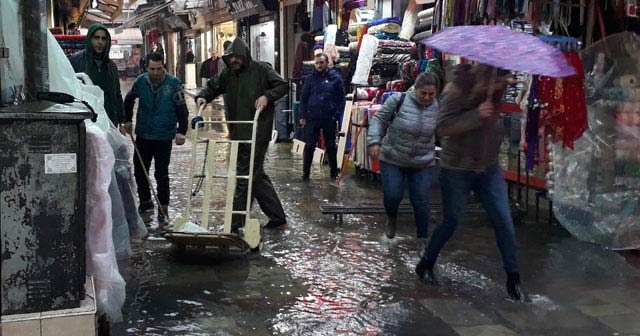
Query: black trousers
{"points": [[160, 152], [311, 134], [262, 189]]}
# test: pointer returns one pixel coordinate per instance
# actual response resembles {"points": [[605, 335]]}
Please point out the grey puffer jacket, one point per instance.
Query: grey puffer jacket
{"points": [[407, 138]]}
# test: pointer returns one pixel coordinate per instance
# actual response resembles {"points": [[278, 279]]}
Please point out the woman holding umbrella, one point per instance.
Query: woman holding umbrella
{"points": [[470, 138]]}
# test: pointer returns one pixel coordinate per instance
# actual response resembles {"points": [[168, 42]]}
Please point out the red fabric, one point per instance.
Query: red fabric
{"points": [[302, 54], [365, 28], [565, 116]]}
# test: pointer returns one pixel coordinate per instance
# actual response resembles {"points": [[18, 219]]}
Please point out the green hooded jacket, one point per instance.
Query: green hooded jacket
{"points": [[242, 88], [104, 75]]}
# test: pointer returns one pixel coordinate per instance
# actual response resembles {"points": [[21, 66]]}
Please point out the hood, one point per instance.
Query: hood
{"points": [[92, 29], [466, 77], [237, 48], [463, 77]]}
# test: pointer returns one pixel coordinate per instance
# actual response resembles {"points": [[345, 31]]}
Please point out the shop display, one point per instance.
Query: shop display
{"points": [[71, 44], [596, 186]]}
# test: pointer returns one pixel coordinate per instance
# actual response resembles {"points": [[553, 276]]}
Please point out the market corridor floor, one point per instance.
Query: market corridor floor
{"points": [[318, 277]]}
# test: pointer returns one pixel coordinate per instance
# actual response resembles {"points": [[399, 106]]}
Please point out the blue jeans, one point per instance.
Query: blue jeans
{"points": [[491, 190], [394, 181]]}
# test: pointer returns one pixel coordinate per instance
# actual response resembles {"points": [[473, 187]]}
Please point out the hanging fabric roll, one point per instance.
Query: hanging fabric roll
{"points": [[409, 21]]}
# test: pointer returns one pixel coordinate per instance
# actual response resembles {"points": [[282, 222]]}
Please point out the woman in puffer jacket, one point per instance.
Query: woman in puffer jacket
{"points": [[402, 136]]}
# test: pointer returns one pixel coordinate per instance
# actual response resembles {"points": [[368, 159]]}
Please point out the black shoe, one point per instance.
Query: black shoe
{"points": [[334, 176], [305, 178], [275, 224], [514, 288], [391, 227], [235, 226], [424, 270], [163, 214]]}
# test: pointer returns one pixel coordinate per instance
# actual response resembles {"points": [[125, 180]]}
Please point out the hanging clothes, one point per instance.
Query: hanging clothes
{"points": [[320, 16], [302, 20], [568, 117], [556, 112]]}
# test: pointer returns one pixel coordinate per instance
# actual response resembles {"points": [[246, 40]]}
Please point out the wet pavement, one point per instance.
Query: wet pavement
{"points": [[318, 277]]}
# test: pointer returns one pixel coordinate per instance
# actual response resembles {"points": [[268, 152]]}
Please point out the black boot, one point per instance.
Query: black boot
{"points": [[333, 166], [514, 288], [163, 218], [424, 270], [237, 222], [391, 226], [306, 165]]}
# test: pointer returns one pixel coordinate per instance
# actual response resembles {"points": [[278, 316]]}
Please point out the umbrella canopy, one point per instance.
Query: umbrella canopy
{"points": [[503, 48]]}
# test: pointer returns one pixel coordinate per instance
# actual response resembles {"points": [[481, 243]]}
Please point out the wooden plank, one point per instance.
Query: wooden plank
{"points": [[344, 131], [207, 239]]}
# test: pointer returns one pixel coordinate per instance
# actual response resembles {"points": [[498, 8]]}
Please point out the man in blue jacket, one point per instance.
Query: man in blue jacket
{"points": [[321, 105], [161, 106]]}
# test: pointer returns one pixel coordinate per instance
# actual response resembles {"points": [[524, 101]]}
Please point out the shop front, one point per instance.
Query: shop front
{"points": [[258, 26]]}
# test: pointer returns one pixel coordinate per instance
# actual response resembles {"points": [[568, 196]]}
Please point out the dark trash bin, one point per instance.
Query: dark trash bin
{"points": [[42, 206]]}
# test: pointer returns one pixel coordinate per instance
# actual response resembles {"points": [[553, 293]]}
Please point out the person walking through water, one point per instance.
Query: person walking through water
{"points": [[470, 138], [321, 104], [161, 106], [401, 134], [248, 86]]}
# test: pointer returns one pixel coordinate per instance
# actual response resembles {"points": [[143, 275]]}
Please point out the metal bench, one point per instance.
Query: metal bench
{"points": [[338, 211]]}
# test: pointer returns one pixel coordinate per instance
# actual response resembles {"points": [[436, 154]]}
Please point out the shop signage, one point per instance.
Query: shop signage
{"points": [[243, 8]]}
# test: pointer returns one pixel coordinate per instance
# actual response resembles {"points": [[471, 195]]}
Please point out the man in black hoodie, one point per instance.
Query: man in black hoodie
{"points": [[95, 62], [249, 86]]}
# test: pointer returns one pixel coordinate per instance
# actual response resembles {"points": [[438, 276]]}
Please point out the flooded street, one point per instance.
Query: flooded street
{"points": [[316, 276]]}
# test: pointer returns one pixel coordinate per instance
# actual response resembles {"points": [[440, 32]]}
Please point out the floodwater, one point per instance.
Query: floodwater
{"points": [[318, 277]]}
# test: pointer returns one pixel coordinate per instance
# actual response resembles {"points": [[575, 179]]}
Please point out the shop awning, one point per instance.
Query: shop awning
{"points": [[142, 16]]}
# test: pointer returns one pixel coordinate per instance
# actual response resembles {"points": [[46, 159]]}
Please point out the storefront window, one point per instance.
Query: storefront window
{"points": [[225, 31], [263, 42]]}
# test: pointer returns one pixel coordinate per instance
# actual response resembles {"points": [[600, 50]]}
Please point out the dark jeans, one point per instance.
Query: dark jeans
{"points": [[262, 189], [394, 181], [311, 134], [491, 190], [160, 152]]}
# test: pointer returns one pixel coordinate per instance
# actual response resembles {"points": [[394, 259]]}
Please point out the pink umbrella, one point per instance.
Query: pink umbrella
{"points": [[502, 47]]}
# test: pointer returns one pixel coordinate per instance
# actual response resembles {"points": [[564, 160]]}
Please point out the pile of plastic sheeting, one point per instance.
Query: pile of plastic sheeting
{"points": [[596, 187]]}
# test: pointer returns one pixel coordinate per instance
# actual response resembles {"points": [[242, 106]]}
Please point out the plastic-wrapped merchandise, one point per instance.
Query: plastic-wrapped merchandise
{"points": [[101, 258], [596, 187], [120, 229], [131, 220]]}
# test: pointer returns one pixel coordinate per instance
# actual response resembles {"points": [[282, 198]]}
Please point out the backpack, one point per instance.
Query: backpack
{"points": [[399, 104]]}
